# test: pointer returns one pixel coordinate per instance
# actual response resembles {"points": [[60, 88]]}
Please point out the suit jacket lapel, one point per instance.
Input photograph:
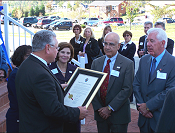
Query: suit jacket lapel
{"points": [[46, 68], [147, 69], [117, 67]]}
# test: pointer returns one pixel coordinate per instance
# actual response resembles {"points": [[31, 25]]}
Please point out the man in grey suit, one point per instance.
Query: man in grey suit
{"points": [[112, 111], [155, 76], [39, 93]]}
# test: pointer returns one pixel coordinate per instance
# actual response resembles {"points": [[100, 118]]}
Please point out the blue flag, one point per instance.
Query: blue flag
{"points": [[3, 46]]}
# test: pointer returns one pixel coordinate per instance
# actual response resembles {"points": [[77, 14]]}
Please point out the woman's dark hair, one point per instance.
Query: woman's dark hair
{"points": [[18, 56], [63, 45], [77, 26], [127, 32]]}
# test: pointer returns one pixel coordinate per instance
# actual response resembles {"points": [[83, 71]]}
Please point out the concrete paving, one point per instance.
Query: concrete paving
{"points": [[91, 127]]}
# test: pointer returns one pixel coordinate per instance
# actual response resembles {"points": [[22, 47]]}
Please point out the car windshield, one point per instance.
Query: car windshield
{"points": [[107, 19]]}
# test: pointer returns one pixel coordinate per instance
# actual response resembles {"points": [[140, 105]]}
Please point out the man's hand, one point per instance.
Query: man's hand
{"points": [[104, 112], [142, 108], [83, 112], [81, 53], [149, 115], [1, 74], [64, 86]]}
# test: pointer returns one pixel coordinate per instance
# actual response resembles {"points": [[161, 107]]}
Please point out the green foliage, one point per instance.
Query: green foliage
{"points": [[42, 9], [132, 9], [32, 13], [61, 3], [83, 26], [160, 12], [37, 11], [26, 13]]}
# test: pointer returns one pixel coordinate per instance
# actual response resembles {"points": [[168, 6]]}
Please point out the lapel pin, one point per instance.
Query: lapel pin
{"points": [[160, 69], [70, 71], [118, 67]]}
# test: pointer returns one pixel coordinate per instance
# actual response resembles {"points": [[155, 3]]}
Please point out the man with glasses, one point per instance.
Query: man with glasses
{"points": [[39, 93], [170, 43], [142, 49], [111, 104], [154, 78]]}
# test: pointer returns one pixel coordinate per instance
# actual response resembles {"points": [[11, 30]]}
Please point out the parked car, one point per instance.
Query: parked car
{"points": [[10, 22], [42, 22], [28, 21], [52, 17], [89, 21], [166, 20], [113, 20], [67, 25], [46, 26]]}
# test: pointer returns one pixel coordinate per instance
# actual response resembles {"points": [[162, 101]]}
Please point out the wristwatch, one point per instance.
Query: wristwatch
{"points": [[147, 108], [109, 108]]}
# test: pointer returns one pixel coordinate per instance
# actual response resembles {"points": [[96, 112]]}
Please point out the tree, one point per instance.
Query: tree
{"points": [[26, 13], [160, 12], [69, 6], [15, 12], [32, 13], [37, 11], [132, 7], [42, 9], [61, 3], [49, 6]]}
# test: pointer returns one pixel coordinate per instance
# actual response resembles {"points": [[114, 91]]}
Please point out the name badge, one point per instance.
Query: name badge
{"points": [[54, 71], [141, 43], [115, 73], [161, 75]]}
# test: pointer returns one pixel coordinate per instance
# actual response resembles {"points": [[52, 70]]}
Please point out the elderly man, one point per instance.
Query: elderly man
{"points": [[39, 93], [3, 64], [155, 76], [111, 104], [170, 43], [142, 49]]}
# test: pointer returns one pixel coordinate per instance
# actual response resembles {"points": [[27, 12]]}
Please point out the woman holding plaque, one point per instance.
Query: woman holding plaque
{"points": [[63, 70], [89, 47], [75, 41]]}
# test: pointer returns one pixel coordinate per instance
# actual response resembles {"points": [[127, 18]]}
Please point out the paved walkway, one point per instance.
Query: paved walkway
{"points": [[91, 127]]}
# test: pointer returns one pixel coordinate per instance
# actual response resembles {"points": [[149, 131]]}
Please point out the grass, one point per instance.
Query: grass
{"points": [[137, 32]]}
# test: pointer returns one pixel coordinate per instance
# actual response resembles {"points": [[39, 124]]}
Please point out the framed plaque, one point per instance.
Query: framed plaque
{"points": [[82, 87]]}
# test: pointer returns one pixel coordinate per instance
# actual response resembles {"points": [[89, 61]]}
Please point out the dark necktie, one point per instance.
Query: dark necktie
{"points": [[104, 86], [152, 68]]}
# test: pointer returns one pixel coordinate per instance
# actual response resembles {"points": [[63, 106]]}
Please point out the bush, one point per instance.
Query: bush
{"points": [[83, 26]]}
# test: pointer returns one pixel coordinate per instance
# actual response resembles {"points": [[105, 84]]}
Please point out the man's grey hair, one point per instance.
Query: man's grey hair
{"points": [[161, 34], [160, 23], [148, 22], [115, 34], [41, 38]]}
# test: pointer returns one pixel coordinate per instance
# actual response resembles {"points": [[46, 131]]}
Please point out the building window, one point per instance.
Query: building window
{"points": [[113, 7], [121, 7]]}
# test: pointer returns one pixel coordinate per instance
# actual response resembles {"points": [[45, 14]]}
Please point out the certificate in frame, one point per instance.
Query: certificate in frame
{"points": [[82, 87]]}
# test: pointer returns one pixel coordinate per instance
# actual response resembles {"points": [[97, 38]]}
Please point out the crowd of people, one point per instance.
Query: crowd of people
{"points": [[36, 85]]}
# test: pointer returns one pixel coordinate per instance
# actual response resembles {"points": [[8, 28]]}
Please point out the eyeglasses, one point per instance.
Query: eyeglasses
{"points": [[126, 35], [108, 44], [76, 29], [57, 48]]}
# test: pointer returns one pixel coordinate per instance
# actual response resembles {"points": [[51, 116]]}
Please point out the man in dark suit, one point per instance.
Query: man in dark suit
{"points": [[111, 104], [166, 121], [155, 76], [39, 93], [170, 43], [3, 64], [142, 49]]}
